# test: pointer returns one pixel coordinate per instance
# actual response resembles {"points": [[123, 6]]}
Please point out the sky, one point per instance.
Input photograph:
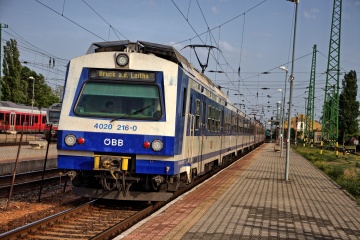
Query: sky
{"points": [[253, 35]]}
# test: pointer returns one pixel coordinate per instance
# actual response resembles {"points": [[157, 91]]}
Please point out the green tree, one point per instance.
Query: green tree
{"points": [[348, 107], [43, 94], [16, 85], [12, 90]]}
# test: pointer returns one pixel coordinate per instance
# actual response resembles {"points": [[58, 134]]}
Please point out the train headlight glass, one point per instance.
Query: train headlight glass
{"points": [[157, 145], [122, 60], [70, 140]]}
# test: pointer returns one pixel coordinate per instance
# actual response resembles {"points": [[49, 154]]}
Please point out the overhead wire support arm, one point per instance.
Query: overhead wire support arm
{"points": [[194, 46]]}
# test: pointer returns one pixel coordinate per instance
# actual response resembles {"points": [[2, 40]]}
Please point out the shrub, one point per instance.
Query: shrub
{"points": [[334, 171], [353, 187]]}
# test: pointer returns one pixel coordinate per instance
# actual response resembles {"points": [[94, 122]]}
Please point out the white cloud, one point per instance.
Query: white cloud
{"points": [[227, 47], [311, 14]]}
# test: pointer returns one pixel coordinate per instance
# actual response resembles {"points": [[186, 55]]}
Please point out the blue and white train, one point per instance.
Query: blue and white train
{"points": [[138, 121]]}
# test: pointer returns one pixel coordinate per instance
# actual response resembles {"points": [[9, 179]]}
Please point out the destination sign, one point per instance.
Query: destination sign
{"points": [[122, 75]]}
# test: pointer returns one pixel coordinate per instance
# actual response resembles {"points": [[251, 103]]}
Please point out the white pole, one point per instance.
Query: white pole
{"points": [[290, 96]]}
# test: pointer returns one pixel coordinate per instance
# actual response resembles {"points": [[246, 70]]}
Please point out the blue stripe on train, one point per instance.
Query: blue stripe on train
{"points": [[116, 143]]}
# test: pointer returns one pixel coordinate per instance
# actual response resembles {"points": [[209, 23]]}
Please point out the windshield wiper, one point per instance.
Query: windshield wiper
{"points": [[130, 114]]}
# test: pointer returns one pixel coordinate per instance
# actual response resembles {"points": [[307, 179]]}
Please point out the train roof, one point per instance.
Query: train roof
{"points": [[9, 104], [163, 51]]}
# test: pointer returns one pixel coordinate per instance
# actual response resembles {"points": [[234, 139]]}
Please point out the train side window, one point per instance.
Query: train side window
{"points": [[213, 116], [43, 120], [27, 119], [7, 118], [218, 114], [17, 119], [2, 116], [190, 105], [197, 114], [36, 119], [204, 114], [209, 118], [222, 121], [184, 102], [234, 123], [22, 119]]}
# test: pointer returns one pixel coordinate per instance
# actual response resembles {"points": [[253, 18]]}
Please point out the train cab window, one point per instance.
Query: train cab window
{"points": [[130, 101]]}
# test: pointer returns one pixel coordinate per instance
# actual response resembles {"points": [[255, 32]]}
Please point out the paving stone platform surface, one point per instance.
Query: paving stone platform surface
{"points": [[251, 200]]}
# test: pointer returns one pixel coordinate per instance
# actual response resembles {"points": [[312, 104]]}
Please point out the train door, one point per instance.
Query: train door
{"points": [[191, 131], [199, 130], [202, 131], [12, 121]]}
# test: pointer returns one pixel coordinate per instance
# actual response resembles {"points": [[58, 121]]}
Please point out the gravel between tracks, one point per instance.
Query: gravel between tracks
{"points": [[25, 208]]}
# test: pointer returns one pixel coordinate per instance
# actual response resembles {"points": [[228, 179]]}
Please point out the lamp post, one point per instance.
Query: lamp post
{"points": [[283, 109], [32, 100], [290, 95], [281, 122]]}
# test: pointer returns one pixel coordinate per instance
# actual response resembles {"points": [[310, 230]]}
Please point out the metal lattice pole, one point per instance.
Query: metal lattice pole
{"points": [[309, 115], [331, 100]]}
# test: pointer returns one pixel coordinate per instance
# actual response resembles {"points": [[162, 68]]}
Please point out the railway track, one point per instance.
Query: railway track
{"points": [[93, 220], [25, 182], [98, 219]]}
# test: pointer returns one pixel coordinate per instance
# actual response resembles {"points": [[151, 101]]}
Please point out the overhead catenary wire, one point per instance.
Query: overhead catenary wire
{"points": [[77, 24]]}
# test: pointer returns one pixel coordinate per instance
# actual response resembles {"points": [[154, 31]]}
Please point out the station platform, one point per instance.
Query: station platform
{"points": [[29, 159], [251, 200]]}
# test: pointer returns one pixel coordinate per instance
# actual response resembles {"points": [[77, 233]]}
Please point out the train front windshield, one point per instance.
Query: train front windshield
{"points": [[119, 101], [54, 116]]}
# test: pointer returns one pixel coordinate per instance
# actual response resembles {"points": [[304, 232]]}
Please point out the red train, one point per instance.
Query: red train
{"points": [[16, 118]]}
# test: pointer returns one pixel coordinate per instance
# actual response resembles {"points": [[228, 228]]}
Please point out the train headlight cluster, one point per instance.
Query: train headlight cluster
{"points": [[157, 145], [122, 60], [70, 140]]}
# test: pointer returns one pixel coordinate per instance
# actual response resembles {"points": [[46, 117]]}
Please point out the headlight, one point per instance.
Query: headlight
{"points": [[70, 140], [122, 60], [157, 145]]}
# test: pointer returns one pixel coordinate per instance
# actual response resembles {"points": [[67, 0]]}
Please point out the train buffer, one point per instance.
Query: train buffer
{"points": [[38, 144]]}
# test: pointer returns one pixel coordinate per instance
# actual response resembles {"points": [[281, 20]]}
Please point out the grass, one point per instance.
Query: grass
{"points": [[343, 169]]}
